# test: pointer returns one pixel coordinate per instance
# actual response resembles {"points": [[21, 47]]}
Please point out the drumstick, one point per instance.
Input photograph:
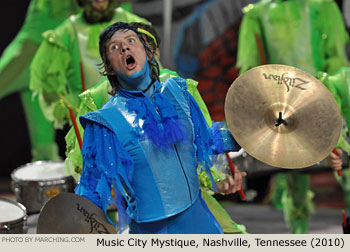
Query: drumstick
{"points": [[232, 168], [260, 49], [83, 88], [336, 153], [77, 133], [344, 218], [72, 117]]}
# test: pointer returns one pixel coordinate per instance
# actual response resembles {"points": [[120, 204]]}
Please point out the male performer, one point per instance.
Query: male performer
{"points": [[146, 143], [94, 98]]}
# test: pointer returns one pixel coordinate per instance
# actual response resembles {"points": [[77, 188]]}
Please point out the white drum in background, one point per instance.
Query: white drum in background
{"points": [[13, 217], [35, 183]]}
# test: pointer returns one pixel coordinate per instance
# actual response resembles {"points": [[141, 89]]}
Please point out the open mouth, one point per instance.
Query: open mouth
{"points": [[130, 60]]}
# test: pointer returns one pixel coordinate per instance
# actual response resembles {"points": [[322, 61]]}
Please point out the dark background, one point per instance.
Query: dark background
{"points": [[15, 145]]}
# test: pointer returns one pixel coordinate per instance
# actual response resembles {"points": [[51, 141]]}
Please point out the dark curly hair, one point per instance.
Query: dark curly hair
{"points": [[105, 36]]}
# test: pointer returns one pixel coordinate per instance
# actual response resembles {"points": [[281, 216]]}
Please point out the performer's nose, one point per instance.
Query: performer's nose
{"points": [[124, 48]]}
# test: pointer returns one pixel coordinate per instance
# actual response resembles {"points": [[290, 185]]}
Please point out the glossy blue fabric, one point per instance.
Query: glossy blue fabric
{"points": [[157, 183], [197, 219]]}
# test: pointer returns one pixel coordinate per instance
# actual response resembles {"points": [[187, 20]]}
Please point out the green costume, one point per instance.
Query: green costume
{"points": [[68, 60], [14, 70], [309, 35], [339, 85], [95, 97]]}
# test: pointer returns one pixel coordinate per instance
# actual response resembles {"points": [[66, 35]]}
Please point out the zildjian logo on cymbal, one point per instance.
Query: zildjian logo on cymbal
{"points": [[287, 81], [90, 218]]}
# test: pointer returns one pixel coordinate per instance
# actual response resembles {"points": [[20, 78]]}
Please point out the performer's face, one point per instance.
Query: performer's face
{"points": [[125, 52], [96, 11]]}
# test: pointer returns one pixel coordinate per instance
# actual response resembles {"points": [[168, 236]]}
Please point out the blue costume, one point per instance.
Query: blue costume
{"points": [[147, 148]]}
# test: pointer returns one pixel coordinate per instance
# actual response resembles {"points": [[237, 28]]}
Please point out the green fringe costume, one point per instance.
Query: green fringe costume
{"points": [[309, 35], [95, 97], [66, 54], [339, 85], [14, 70]]}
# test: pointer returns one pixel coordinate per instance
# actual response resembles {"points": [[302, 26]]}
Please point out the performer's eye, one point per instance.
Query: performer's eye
{"points": [[114, 47], [131, 41]]}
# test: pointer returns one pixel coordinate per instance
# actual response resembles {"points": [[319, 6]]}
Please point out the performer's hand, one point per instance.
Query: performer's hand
{"points": [[231, 184], [334, 160]]}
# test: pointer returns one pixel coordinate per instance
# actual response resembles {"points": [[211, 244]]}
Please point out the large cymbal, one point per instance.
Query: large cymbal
{"points": [[282, 116]]}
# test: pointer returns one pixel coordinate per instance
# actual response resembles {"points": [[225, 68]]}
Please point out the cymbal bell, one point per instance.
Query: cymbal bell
{"points": [[282, 116]]}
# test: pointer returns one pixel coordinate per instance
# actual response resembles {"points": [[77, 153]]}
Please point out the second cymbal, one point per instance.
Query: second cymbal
{"points": [[283, 116]]}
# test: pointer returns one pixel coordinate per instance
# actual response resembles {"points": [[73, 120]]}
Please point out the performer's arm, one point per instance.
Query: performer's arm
{"points": [[51, 72], [94, 183], [335, 40], [337, 84], [248, 54], [91, 100], [74, 162], [106, 165], [223, 142]]}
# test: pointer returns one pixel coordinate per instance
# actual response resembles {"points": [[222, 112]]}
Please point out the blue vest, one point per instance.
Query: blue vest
{"points": [[165, 181]]}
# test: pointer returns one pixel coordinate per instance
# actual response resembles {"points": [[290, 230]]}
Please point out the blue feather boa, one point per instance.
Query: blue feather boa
{"points": [[161, 121]]}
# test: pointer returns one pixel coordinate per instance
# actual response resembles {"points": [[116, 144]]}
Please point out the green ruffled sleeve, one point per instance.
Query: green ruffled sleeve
{"points": [[166, 73], [44, 15], [337, 40], [91, 100], [51, 71], [74, 160], [248, 53], [41, 16], [205, 180], [338, 85], [329, 27]]}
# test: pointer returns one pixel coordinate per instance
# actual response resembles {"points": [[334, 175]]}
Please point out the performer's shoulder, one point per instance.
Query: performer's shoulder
{"points": [[100, 90], [62, 32], [97, 116], [175, 82]]}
